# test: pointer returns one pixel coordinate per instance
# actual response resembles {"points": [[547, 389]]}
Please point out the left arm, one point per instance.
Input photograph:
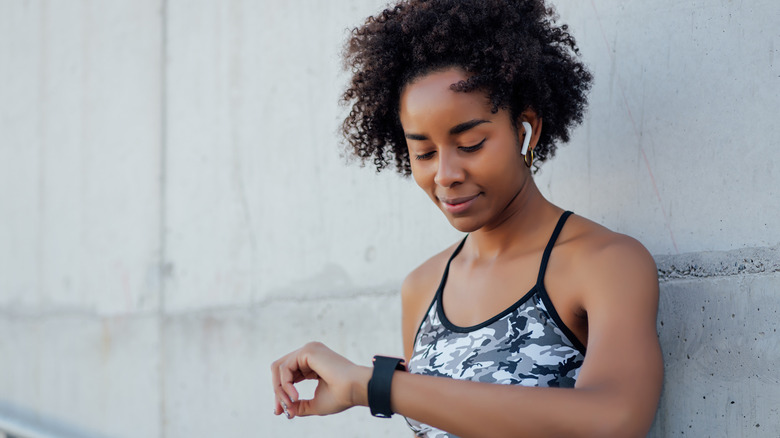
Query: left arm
{"points": [[616, 393]]}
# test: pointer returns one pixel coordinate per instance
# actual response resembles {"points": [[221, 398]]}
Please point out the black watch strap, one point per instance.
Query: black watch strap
{"points": [[379, 385]]}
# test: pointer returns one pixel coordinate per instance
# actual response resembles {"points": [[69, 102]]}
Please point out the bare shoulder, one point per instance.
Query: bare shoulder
{"points": [[417, 292], [615, 284], [427, 274], [609, 261], [420, 285]]}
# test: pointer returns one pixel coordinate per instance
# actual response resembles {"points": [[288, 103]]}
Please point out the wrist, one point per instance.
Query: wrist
{"points": [[360, 386], [379, 387]]}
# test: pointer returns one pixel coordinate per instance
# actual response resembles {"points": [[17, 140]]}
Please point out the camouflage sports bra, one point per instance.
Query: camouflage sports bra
{"points": [[527, 344]]}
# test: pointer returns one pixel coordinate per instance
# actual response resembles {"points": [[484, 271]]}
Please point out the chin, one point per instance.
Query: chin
{"points": [[464, 225]]}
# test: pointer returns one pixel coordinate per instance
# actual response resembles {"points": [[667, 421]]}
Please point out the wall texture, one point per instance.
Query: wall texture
{"points": [[175, 213]]}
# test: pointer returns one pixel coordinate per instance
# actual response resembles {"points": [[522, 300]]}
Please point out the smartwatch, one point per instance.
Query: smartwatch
{"points": [[379, 385]]}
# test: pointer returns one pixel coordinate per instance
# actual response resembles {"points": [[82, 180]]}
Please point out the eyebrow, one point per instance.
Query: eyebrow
{"points": [[457, 129]]}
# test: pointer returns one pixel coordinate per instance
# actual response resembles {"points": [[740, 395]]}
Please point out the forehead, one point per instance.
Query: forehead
{"points": [[430, 99]]}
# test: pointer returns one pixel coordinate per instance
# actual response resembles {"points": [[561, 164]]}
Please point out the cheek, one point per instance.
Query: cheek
{"points": [[424, 179], [507, 168], [417, 174]]}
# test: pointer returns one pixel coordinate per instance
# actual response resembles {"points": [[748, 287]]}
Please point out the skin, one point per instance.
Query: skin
{"points": [[603, 284]]}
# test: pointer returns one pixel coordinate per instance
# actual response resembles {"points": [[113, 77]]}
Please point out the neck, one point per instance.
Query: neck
{"points": [[525, 223]]}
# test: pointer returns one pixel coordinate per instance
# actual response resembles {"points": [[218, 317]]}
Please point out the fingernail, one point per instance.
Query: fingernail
{"points": [[287, 413]]}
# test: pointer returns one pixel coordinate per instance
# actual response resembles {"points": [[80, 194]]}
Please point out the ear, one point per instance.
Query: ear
{"points": [[529, 116]]}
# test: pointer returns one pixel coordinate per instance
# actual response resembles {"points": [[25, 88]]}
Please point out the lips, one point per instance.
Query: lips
{"points": [[455, 201], [458, 205]]}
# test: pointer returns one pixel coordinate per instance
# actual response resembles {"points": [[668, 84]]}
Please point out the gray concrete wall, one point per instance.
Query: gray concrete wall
{"points": [[174, 211]]}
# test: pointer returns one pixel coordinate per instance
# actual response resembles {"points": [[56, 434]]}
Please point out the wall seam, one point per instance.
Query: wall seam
{"points": [[163, 263]]}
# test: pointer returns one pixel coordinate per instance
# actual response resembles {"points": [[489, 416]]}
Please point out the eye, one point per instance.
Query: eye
{"points": [[474, 148], [425, 156]]}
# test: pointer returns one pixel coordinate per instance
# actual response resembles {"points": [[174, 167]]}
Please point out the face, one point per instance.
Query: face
{"points": [[466, 158]]}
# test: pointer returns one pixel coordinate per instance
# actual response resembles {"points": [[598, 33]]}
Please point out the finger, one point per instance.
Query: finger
{"points": [[275, 380], [282, 399], [287, 379], [304, 408], [274, 384], [278, 408], [286, 410], [300, 377], [279, 395]]}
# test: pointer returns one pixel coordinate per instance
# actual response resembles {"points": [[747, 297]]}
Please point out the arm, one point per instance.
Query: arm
{"points": [[617, 390], [619, 384], [342, 384]]}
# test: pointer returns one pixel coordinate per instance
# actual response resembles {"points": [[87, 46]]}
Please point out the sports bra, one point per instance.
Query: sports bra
{"points": [[527, 344]]}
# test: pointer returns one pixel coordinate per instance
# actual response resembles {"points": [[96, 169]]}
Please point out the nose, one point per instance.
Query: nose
{"points": [[449, 171]]}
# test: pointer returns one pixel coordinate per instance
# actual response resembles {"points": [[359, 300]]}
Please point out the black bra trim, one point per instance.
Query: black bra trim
{"points": [[538, 287]]}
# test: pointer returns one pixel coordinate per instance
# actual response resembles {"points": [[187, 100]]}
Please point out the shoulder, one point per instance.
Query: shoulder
{"points": [[610, 266], [422, 282], [598, 250]]}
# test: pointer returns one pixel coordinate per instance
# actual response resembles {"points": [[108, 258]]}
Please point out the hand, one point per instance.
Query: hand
{"points": [[341, 383]]}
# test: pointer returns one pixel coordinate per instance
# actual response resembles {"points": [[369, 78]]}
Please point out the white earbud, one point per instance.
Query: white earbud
{"points": [[527, 138]]}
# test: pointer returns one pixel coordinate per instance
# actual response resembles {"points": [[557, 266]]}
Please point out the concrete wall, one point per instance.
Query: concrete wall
{"points": [[175, 214]]}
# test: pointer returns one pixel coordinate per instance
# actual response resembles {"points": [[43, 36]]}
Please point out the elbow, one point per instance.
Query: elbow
{"points": [[621, 422], [621, 414]]}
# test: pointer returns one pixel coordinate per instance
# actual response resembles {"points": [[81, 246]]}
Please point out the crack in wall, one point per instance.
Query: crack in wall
{"points": [[290, 296], [707, 264]]}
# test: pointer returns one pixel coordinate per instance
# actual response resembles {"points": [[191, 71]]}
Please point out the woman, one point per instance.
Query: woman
{"points": [[542, 322]]}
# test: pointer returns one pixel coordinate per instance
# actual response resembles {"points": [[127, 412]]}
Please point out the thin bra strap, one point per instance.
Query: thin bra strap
{"points": [[447, 268], [454, 253], [550, 244]]}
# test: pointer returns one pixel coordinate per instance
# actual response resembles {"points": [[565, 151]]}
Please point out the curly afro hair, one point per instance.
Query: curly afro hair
{"points": [[512, 50]]}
